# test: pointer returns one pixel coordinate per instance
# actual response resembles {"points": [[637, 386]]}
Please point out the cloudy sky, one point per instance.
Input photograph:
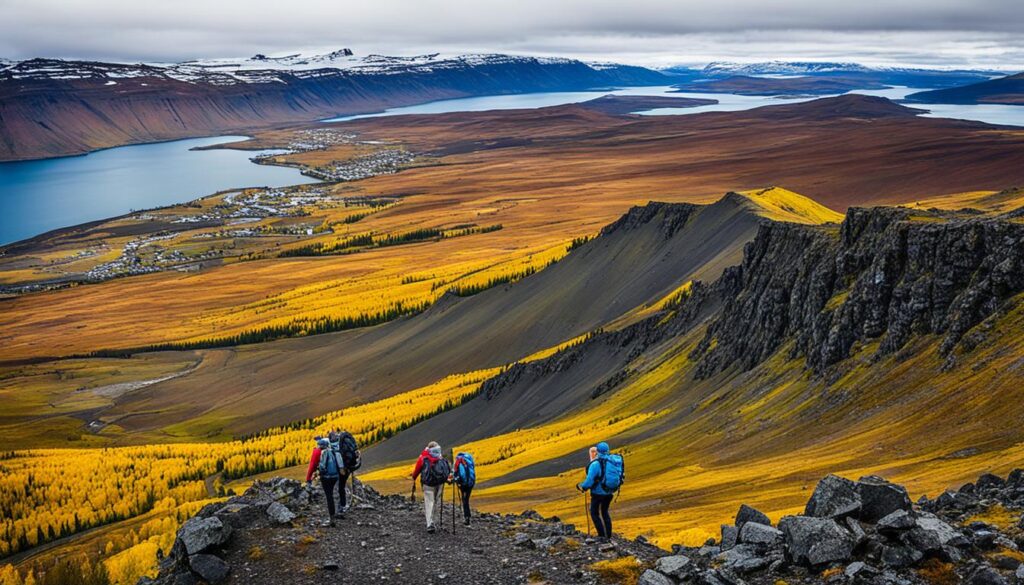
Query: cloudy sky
{"points": [[977, 33]]}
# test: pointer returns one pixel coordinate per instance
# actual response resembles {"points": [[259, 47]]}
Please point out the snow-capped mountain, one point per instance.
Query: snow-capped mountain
{"points": [[264, 69], [89, 105], [725, 68]]}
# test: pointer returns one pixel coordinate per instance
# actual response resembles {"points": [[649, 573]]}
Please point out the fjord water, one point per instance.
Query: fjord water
{"points": [[42, 195], [38, 196]]}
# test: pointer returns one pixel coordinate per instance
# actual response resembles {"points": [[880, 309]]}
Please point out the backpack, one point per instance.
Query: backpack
{"points": [[329, 466], [349, 451], [435, 473], [465, 470], [613, 472]]}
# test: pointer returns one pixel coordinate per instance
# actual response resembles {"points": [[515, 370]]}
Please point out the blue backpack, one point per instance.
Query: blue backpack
{"points": [[466, 471], [329, 463], [613, 472]]}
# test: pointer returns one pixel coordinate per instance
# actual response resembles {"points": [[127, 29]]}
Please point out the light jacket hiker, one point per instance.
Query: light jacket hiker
{"points": [[327, 462], [605, 476], [464, 476], [433, 470]]}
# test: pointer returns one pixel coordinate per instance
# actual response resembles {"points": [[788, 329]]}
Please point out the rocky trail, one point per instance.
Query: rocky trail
{"points": [[865, 531]]}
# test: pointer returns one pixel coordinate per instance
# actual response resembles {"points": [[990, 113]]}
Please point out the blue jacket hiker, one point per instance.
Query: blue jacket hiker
{"points": [[604, 477]]}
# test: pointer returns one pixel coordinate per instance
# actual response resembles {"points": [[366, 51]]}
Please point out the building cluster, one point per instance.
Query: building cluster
{"points": [[386, 161]]}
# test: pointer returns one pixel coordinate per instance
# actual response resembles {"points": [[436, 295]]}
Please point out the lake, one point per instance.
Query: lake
{"points": [[38, 196], [41, 195]]}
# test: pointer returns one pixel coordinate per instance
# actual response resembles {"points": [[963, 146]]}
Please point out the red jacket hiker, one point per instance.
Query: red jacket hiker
{"points": [[425, 455], [314, 462]]}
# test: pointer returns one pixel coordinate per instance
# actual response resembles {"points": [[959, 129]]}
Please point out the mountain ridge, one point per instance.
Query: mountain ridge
{"points": [[53, 107]]}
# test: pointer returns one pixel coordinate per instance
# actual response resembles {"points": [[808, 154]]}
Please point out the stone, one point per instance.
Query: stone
{"points": [[859, 569], [606, 547], [988, 481], [931, 531], [743, 558], [748, 514], [816, 541], [730, 536], [967, 488], [238, 514], [678, 566], [757, 533], [985, 575], [1016, 477], [853, 525], [652, 577], [1005, 562], [199, 534], [209, 568], [897, 521], [897, 556], [523, 540], [549, 542], [709, 551], [280, 513], [1020, 574], [833, 497], [879, 498], [985, 539]]}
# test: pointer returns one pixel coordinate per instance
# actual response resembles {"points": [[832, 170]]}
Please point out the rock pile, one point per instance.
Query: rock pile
{"points": [[864, 531], [196, 554]]}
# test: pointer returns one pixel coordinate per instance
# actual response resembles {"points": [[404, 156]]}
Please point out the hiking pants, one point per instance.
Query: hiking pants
{"points": [[599, 513], [328, 483], [465, 492], [342, 497], [433, 496]]}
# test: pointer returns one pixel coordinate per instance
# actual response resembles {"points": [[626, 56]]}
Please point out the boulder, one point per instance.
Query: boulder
{"points": [[896, 522], [678, 566], [1020, 574], [280, 513], [853, 525], [943, 532], [748, 514], [859, 569], [1016, 478], [985, 575], [833, 497], [209, 568], [757, 533], [744, 558], [898, 556], [816, 541], [989, 481], [239, 514], [879, 498], [985, 539], [199, 534], [730, 536], [651, 577]]}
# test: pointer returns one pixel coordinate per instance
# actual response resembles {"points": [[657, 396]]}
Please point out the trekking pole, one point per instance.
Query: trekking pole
{"points": [[586, 512], [454, 528]]}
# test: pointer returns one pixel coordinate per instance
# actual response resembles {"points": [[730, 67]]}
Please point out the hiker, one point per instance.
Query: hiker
{"points": [[464, 476], [605, 475], [593, 454], [327, 462], [433, 470]]}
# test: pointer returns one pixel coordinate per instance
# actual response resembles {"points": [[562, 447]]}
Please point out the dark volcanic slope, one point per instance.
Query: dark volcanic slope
{"points": [[639, 259], [1005, 90], [53, 108], [746, 85]]}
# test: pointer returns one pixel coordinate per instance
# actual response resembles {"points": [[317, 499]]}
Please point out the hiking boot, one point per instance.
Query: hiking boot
{"points": [[340, 515], [431, 530], [330, 522], [466, 523]]}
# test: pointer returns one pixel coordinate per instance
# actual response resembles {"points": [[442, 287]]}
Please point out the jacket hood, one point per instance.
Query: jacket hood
{"points": [[435, 452], [602, 448], [323, 444]]}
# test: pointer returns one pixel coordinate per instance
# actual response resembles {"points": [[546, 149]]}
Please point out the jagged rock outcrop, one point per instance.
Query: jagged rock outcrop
{"points": [[888, 274]]}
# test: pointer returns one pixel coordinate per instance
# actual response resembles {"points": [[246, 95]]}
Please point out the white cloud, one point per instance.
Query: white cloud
{"points": [[924, 32]]}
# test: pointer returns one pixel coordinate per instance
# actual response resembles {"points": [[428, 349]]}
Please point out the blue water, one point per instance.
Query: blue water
{"points": [[41, 195]]}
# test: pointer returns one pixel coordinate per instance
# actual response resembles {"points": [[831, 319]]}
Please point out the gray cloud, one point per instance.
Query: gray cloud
{"points": [[924, 32]]}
